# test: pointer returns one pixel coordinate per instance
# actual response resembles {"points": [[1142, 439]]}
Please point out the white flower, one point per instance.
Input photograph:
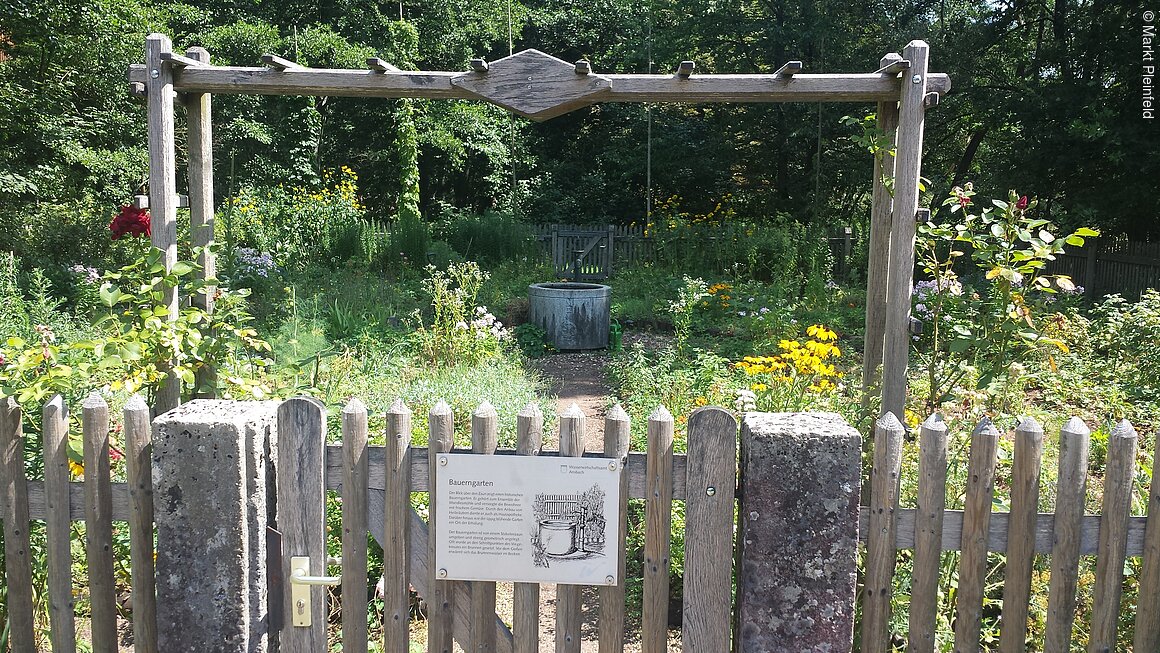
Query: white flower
{"points": [[741, 313], [461, 325]]}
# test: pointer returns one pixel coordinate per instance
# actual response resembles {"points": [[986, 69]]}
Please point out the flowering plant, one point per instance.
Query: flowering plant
{"points": [[989, 321], [460, 331], [131, 221], [790, 379]]}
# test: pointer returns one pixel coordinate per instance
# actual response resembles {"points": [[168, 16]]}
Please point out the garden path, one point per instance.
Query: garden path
{"points": [[581, 378]]}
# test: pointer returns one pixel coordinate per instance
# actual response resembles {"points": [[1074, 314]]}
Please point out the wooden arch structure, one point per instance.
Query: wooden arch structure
{"points": [[538, 86]]}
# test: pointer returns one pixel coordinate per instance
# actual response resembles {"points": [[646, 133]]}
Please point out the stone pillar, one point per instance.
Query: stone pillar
{"points": [[800, 483], [212, 466]]}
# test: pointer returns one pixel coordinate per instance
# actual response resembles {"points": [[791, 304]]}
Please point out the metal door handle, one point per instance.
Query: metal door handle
{"points": [[300, 584]]}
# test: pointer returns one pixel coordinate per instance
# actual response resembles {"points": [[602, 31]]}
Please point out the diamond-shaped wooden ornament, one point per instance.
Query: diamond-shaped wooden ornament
{"points": [[534, 85]]}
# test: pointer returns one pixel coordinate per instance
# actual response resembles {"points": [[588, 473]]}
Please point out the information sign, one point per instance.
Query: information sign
{"points": [[527, 519]]}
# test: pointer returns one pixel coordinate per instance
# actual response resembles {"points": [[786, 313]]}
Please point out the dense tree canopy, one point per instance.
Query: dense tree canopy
{"points": [[1045, 100]]}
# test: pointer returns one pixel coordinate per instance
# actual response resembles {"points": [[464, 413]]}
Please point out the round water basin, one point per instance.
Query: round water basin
{"points": [[574, 315]]}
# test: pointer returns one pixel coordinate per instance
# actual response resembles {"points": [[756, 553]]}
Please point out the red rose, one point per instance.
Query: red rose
{"points": [[964, 201], [1022, 203], [131, 221]]}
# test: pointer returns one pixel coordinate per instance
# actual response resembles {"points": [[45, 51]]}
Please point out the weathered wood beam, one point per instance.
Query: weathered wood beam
{"points": [[583, 67], [853, 87], [686, 68], [479, 65], [380, 66], [931, 100], [278, 63], [951, 536], [179, 60], [789, 69]]}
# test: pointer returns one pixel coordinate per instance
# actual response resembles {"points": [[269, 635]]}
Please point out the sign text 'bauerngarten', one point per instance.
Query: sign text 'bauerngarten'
{"points": [[527, 519]]}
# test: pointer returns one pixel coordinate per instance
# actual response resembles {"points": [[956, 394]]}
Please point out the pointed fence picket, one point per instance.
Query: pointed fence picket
{"points": [[1021, 534]]}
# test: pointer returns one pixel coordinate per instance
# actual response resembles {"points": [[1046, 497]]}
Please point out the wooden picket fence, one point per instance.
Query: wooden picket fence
{"points": [[465, 611], [376, 482], [1065, 535], [1111, 264], [603, 248], [98, 502]]}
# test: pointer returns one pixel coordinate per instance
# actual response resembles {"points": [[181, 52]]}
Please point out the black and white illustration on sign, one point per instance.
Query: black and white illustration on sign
{"points": [[568, 526], [527, 519]]}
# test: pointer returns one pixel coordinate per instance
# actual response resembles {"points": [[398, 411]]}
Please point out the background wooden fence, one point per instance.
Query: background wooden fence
{"points": [[1112, 264], [386, 476], [631, 245]]}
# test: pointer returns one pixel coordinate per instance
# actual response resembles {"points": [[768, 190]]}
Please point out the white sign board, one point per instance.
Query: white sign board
{"points": [[527, 519]]}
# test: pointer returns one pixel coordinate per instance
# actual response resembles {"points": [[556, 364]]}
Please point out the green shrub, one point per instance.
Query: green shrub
{"points": [[491, 237]]}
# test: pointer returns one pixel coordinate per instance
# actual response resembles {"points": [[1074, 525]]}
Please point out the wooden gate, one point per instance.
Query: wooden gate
{"points": [[376, 485], [581, 254]]}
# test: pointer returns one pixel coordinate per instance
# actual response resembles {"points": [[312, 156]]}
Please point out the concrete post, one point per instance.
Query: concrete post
{"points": [[212, 467], [800, 483]]}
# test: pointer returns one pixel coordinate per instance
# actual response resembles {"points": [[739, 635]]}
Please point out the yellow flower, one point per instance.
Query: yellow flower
{"points": [[759, 387], [76, 469]]}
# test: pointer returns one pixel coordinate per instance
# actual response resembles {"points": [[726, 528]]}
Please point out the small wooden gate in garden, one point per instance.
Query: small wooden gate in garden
{"points": [[376, 484], [583, 254]]}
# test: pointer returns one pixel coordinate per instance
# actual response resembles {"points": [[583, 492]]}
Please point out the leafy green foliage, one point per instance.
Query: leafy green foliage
{"points": [[992, 313]]}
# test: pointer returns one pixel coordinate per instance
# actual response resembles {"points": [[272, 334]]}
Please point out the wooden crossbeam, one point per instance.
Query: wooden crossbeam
{"points": [[178, 60], [848, 87], [930, 100], [479, 65], [378, 65], [790, 69], [583, 67], [278, 63], [685, 68]]}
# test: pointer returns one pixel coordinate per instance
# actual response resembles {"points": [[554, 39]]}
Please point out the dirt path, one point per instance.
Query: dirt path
{"points": [[579, 378]]}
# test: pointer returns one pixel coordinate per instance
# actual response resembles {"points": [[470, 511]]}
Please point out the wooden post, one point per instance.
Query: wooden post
{"points": [[878, 258], [928, 528], [526, 596], [139, 470], [396, 518], [1109, 587], [201, 205], [99, 524], [616, 444], [907, 168], [355, 474], [881, 553], [58, 536], [711, 478], [976, 524], [568, 606], [484, 439], [1067, 534], [440, 602], [14, 502], [162, 183], [301, 514], [657, 534], [1021, 536], [1148, 604]]}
